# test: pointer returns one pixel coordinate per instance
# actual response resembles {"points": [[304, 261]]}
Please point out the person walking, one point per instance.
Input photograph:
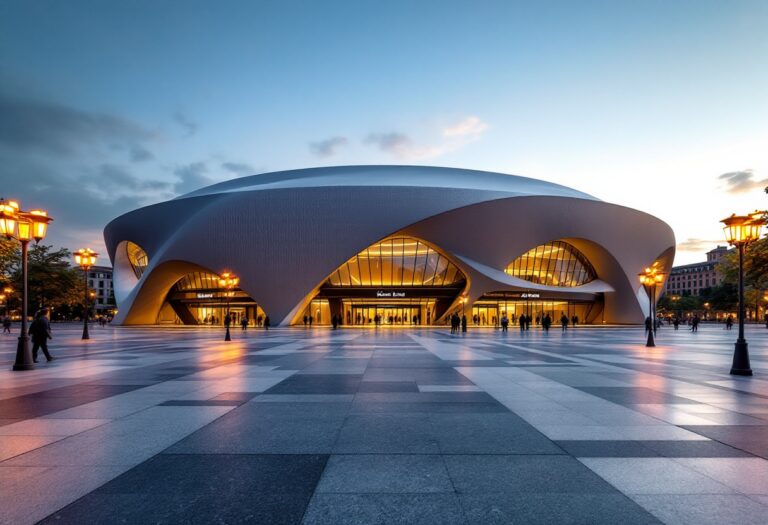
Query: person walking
{"points": [[521, 322], [7, 325], [676, 322], [334, 321], [244, 323], [648, 324], [546, 323], [463, 323], [695, 323], [266, 322], [574, 320], [40, 331], [564, 322], [504, 323]]}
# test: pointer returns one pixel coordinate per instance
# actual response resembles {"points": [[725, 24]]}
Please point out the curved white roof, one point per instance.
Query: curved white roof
{"points": [[391, 175]]}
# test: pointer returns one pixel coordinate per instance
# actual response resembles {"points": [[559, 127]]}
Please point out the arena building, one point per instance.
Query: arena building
{"points": [[401, 245]]}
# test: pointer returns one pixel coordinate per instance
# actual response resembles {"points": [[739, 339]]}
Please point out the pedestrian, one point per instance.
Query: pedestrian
{"points": [[546, 323], [305, 320], [574, 320], [334, 321], [504, 323], [463, 323], [244, 323], [40, 331], [521, 322], [564, 322], [266, 322], [7, 325], [729, 322], [676, 322], [227, 320], [648, 324], [695, 323]]}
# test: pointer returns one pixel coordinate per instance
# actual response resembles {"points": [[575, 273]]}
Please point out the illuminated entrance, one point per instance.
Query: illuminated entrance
{"points": [[197, 299], [487, 311], [398, 281]]}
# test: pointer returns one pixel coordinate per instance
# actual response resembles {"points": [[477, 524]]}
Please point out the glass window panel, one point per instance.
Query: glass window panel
{"points": [[442, 267], [429, 271], [344, 274], [354, 271], [365, 269], [374, 258], [555, 264]]}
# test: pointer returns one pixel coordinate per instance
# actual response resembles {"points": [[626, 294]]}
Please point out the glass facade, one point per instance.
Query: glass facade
{"points": [[555, 263], [397, 261], [198, 281], [489, 312], [137, 258]]}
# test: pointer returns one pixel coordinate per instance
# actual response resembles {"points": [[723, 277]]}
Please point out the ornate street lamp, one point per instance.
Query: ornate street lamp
{"points": [[739, 231], [228, 281], [23, 226], [85, 258], [650, 278]]}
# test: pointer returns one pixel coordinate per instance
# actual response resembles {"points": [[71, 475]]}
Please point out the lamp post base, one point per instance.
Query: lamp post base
{"points": [[650, 341], [23, 355], [86, 335], [227, 337], [741, 366]]}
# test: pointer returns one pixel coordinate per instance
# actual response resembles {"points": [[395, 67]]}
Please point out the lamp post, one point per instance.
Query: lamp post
{"points": [[23, 226], [228, 281], [85, 258], [739, 231], [650, 278]]}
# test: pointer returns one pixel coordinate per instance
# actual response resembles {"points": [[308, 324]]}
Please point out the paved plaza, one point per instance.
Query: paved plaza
{"points": [[385, 426]]}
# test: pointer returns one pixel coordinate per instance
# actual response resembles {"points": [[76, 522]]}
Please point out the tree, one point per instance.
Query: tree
{"points": [[755, 272], [52, 282]]}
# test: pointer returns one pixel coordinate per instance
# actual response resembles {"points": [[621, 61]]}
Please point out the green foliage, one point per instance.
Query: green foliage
{"points": [[52, 282]]}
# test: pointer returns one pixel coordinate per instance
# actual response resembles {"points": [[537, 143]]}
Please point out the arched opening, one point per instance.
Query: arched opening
{"points": [[397, 281], [137, 258], [198, 299], [556, 263]]}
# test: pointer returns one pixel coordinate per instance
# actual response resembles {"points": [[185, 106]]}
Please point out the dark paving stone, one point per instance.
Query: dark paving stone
{"points": [[236, 396], [387, 434], [384, 509], [695, 449], [546, 509], [425, 397], [203, 473], [424, 376], [201, 403], [489, 434], [750, 438], [635, 395], [387, 386], [258, 428], [377, 407], [203, 509], [480, 474], [382, 473], [422, 361], [608, 449], [318, 384]]}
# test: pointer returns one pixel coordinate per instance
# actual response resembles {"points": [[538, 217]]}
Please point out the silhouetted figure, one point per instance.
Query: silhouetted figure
{"points": [[729, 322], [504, 323], [676, 322], [695, 323], [266, 323], [463, 323], [40, 332], [334, 321], [305, 320], [546, 322], [244, 323], [574, 320], [528, 320], [6, 325], [521, 322], [564, 322]]}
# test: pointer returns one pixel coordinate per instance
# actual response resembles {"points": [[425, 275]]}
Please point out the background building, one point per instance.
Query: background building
{"points": [[691, 279], [397, 245], [100, 281]]}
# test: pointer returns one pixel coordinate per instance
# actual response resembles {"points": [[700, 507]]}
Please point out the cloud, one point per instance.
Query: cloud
{"points": [[742, 181], [454, 137], [191, 177], [239, 168], [116, 179], [140, 153], [470, 126], [328, 147], [56, 129], [185, 123], [696, 245]]}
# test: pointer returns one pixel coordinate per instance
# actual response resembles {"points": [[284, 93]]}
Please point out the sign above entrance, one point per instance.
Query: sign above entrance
{"points": [[389, 293], [530, 295], [204, 295]]}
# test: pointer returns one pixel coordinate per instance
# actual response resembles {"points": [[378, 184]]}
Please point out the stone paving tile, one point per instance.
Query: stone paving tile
{"points": [[383, 426]]}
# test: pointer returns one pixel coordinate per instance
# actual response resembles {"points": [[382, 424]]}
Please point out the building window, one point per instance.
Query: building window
{"points": [[137, 257], [397, 261], [555, 263]]}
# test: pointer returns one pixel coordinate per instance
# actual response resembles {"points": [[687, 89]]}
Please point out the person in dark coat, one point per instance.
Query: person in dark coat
{"points": [[266, 323], [463, 323], [521, 321], [546, 323], [564, 322], [40, 331]]}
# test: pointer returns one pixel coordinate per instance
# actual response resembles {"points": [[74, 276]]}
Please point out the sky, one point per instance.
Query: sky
{"points": [[662, 106]]}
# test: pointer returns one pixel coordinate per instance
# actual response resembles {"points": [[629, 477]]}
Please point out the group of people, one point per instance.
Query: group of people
{"points": [[458, 323], [524, 321], [262, 321]]}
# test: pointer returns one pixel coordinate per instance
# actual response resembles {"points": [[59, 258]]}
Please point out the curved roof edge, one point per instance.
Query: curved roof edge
{"points": [[391, 175]]}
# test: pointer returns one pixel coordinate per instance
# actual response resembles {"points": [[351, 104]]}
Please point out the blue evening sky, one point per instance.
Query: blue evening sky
{"points": [[656, 105]]}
